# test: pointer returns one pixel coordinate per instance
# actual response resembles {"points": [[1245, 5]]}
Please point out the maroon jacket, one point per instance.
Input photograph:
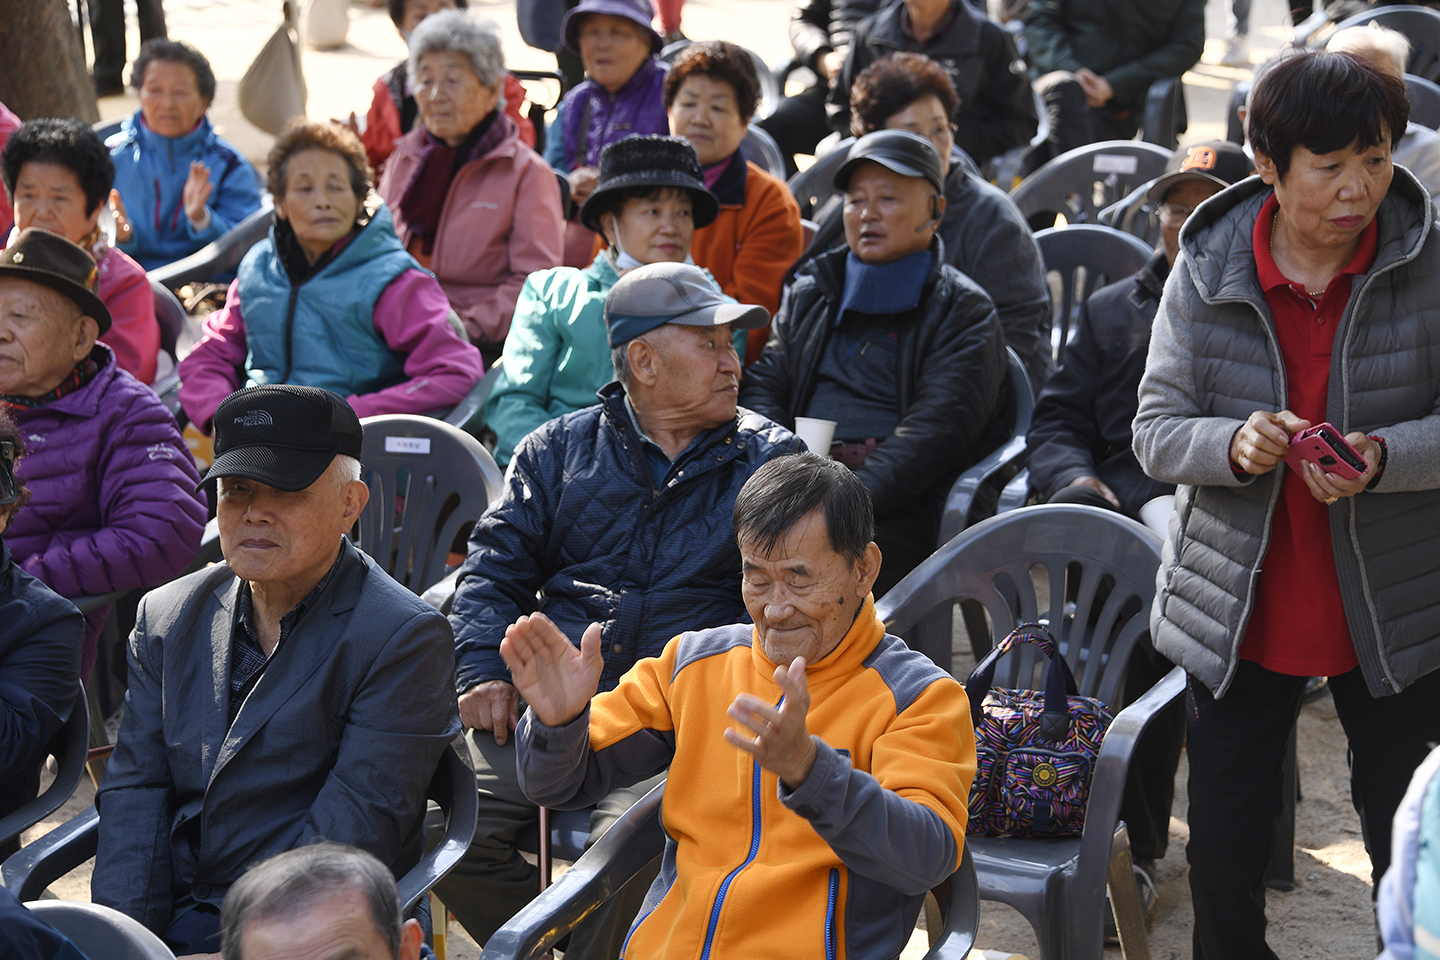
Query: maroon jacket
{"points": [[113, 503]]}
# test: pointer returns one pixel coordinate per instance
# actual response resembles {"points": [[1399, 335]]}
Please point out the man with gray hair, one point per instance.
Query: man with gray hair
{"points": [[1388, 51], [820, 768], [315, 903], [291, 694], [615, 514]]}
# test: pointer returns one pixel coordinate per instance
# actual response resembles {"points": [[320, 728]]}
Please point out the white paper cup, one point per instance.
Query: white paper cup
{"points": [[817, 434], [1155, 514]]}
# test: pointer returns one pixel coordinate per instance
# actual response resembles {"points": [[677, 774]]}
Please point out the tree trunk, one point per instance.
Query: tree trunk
{"points": [[44, 71]]}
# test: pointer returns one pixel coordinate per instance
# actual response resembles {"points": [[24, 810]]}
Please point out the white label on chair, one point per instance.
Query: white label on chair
{"points": [[407, 444], [1116, 163]]}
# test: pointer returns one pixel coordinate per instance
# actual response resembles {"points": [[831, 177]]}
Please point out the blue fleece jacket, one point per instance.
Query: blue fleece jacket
{"points": [[150, 173]]}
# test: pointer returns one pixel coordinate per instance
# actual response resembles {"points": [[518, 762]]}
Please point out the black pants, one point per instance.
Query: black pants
{"points": [[798, 123], [1236, 747], [1073, 122], [107, 30]]}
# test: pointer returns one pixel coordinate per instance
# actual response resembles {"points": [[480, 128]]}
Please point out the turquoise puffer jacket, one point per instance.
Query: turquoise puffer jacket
{"points": [[322, 332]]}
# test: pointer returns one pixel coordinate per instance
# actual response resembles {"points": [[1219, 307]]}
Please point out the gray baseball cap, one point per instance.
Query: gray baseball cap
{"points": [[660, 293]]}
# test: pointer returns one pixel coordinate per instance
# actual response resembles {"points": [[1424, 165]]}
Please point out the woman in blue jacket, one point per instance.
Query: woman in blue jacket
{"points": [[180, 186]]}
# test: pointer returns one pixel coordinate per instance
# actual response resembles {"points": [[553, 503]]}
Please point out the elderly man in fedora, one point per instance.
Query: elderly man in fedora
{"points": [[616, 514], [114, 504], [291, 694]]}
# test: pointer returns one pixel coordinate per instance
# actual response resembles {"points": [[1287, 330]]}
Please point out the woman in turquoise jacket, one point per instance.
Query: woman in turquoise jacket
{"points": [[180, 186], [648, 202]]}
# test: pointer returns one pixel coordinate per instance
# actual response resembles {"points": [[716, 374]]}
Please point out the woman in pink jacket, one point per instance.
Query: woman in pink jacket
{"points": [[471, 202], [59, 175]]}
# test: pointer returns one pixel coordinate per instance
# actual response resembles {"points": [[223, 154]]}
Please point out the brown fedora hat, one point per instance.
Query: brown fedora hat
{"points": [[54, 262]]}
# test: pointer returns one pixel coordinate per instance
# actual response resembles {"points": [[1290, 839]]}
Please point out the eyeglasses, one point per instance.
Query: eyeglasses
{"points": [[9, 488], [1174, 214]]}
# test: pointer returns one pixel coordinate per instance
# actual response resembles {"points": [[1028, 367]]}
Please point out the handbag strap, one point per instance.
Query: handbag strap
{"points": [[1059, 681]]}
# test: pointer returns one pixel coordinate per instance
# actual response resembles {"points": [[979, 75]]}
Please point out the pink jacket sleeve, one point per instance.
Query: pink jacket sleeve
{"points": [[411, 314], [134, 333], [537, 242], [211, 371]]}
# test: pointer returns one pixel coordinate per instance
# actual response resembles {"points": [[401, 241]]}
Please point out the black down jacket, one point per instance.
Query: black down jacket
{"points": [[582, 534], [950, 365]]}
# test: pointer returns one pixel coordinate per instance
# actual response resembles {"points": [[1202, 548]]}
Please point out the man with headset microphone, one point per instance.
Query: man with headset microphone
{"points": [[900, 349]]}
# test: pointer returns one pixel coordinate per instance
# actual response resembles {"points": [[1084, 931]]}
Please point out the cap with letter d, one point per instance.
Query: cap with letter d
{"points": [[282, 435]]}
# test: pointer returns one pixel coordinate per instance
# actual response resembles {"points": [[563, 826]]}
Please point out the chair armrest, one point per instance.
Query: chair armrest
{"points": [[88, 605], [974, 495], [1107, 783], [442, 594], [472, 405], [223, 254], [634, 841], [961, 909], [27, 873]]}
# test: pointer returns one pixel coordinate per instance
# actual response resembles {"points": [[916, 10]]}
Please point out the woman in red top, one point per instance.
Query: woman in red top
{"points": [[1302, 297]]}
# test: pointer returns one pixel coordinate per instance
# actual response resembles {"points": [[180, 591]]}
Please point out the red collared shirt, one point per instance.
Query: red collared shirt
{"points": [[1298, 624]]}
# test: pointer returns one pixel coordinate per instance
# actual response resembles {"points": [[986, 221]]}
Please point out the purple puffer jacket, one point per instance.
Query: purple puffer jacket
{"points": [[113, 503], [636, 108]]}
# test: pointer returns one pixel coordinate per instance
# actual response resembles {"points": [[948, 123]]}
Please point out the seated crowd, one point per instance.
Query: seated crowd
{"points": [[670, 579]]}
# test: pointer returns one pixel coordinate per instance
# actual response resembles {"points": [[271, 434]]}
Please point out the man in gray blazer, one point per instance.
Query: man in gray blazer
{"points": [[292, 694]]}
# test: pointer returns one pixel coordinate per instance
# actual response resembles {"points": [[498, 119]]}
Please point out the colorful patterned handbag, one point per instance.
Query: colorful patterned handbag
{"points": [[1035, 750]]}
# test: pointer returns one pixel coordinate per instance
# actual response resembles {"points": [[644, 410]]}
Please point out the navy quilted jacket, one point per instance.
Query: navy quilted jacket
{"points": [[582, 534]]}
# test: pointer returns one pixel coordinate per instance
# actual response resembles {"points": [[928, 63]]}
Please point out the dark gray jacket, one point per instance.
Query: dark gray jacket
{"points": [[1214, 359], [819, 26], [337, 740]]}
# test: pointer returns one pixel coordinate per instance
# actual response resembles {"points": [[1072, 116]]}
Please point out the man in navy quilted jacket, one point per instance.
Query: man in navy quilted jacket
{"points": [[617, 514]]}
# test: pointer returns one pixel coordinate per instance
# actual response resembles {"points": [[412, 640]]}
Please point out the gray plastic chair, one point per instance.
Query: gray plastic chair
{"points": [[814, 188], [1100, 568], [223, 255], [636, 840], [1421, 25], [469, 413], [101, 932], [428, 481], [69, 747], [1080, 182], [1135, 215], [27, 873], [762, 150], [1424, 97], [974, 495], [1165, 116], [1087, 257]]}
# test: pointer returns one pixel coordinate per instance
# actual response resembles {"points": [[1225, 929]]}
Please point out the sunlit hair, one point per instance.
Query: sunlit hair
{"points": [[888, 86], [300, 135], [718, 60], [456, 31]]}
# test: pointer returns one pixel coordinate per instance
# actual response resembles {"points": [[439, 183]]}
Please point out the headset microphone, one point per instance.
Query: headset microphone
{"points": [[935, 215]]}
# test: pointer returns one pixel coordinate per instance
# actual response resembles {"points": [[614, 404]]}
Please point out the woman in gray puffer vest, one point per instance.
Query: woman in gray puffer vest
{"points": [[1308, 294]]}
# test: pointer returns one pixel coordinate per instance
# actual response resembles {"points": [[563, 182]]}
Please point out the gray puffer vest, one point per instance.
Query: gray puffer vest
{"points": [[1214, 359]]}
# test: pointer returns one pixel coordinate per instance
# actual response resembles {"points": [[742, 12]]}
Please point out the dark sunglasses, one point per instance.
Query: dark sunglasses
{"points": [[9, 488]]}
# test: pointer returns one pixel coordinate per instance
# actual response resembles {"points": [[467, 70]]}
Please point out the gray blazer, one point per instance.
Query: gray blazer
{"points": [[337, 741]]}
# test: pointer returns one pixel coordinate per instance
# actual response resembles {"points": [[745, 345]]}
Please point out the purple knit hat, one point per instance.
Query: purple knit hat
{"points": [[639, 11]]}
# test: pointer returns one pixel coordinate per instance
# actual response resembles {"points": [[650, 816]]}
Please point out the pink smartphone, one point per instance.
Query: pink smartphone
{"points": [[1326, 447]]}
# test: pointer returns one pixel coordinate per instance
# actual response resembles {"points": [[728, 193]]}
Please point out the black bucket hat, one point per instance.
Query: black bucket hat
{"points": [[282, 435], [640, 164], [54, 262]]}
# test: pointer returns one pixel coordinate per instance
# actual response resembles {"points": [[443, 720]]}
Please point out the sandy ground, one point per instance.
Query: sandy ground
{"points": [[1327, 915]]}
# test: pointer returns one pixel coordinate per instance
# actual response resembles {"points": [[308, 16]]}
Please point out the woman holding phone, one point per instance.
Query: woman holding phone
{"points": [[1303, 296]]}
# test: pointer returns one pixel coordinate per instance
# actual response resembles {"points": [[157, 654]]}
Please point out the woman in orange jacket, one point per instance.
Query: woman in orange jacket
{"points": [[710, 96]]}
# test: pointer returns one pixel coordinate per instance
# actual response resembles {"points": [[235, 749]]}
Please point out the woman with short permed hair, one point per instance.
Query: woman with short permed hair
{"points": [[331, 299]]}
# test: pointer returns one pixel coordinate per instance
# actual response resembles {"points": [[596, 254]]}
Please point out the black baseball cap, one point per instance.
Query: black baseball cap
{"points": [[1213, 161], [282, 435], [906, 153]]}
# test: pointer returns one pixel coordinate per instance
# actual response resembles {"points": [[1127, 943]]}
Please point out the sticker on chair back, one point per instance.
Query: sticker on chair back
{"points": [[407, 444], [1115, 163]]}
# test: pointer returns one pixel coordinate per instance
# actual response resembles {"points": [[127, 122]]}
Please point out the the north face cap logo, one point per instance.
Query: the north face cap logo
{"points": [[255, 418]]}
